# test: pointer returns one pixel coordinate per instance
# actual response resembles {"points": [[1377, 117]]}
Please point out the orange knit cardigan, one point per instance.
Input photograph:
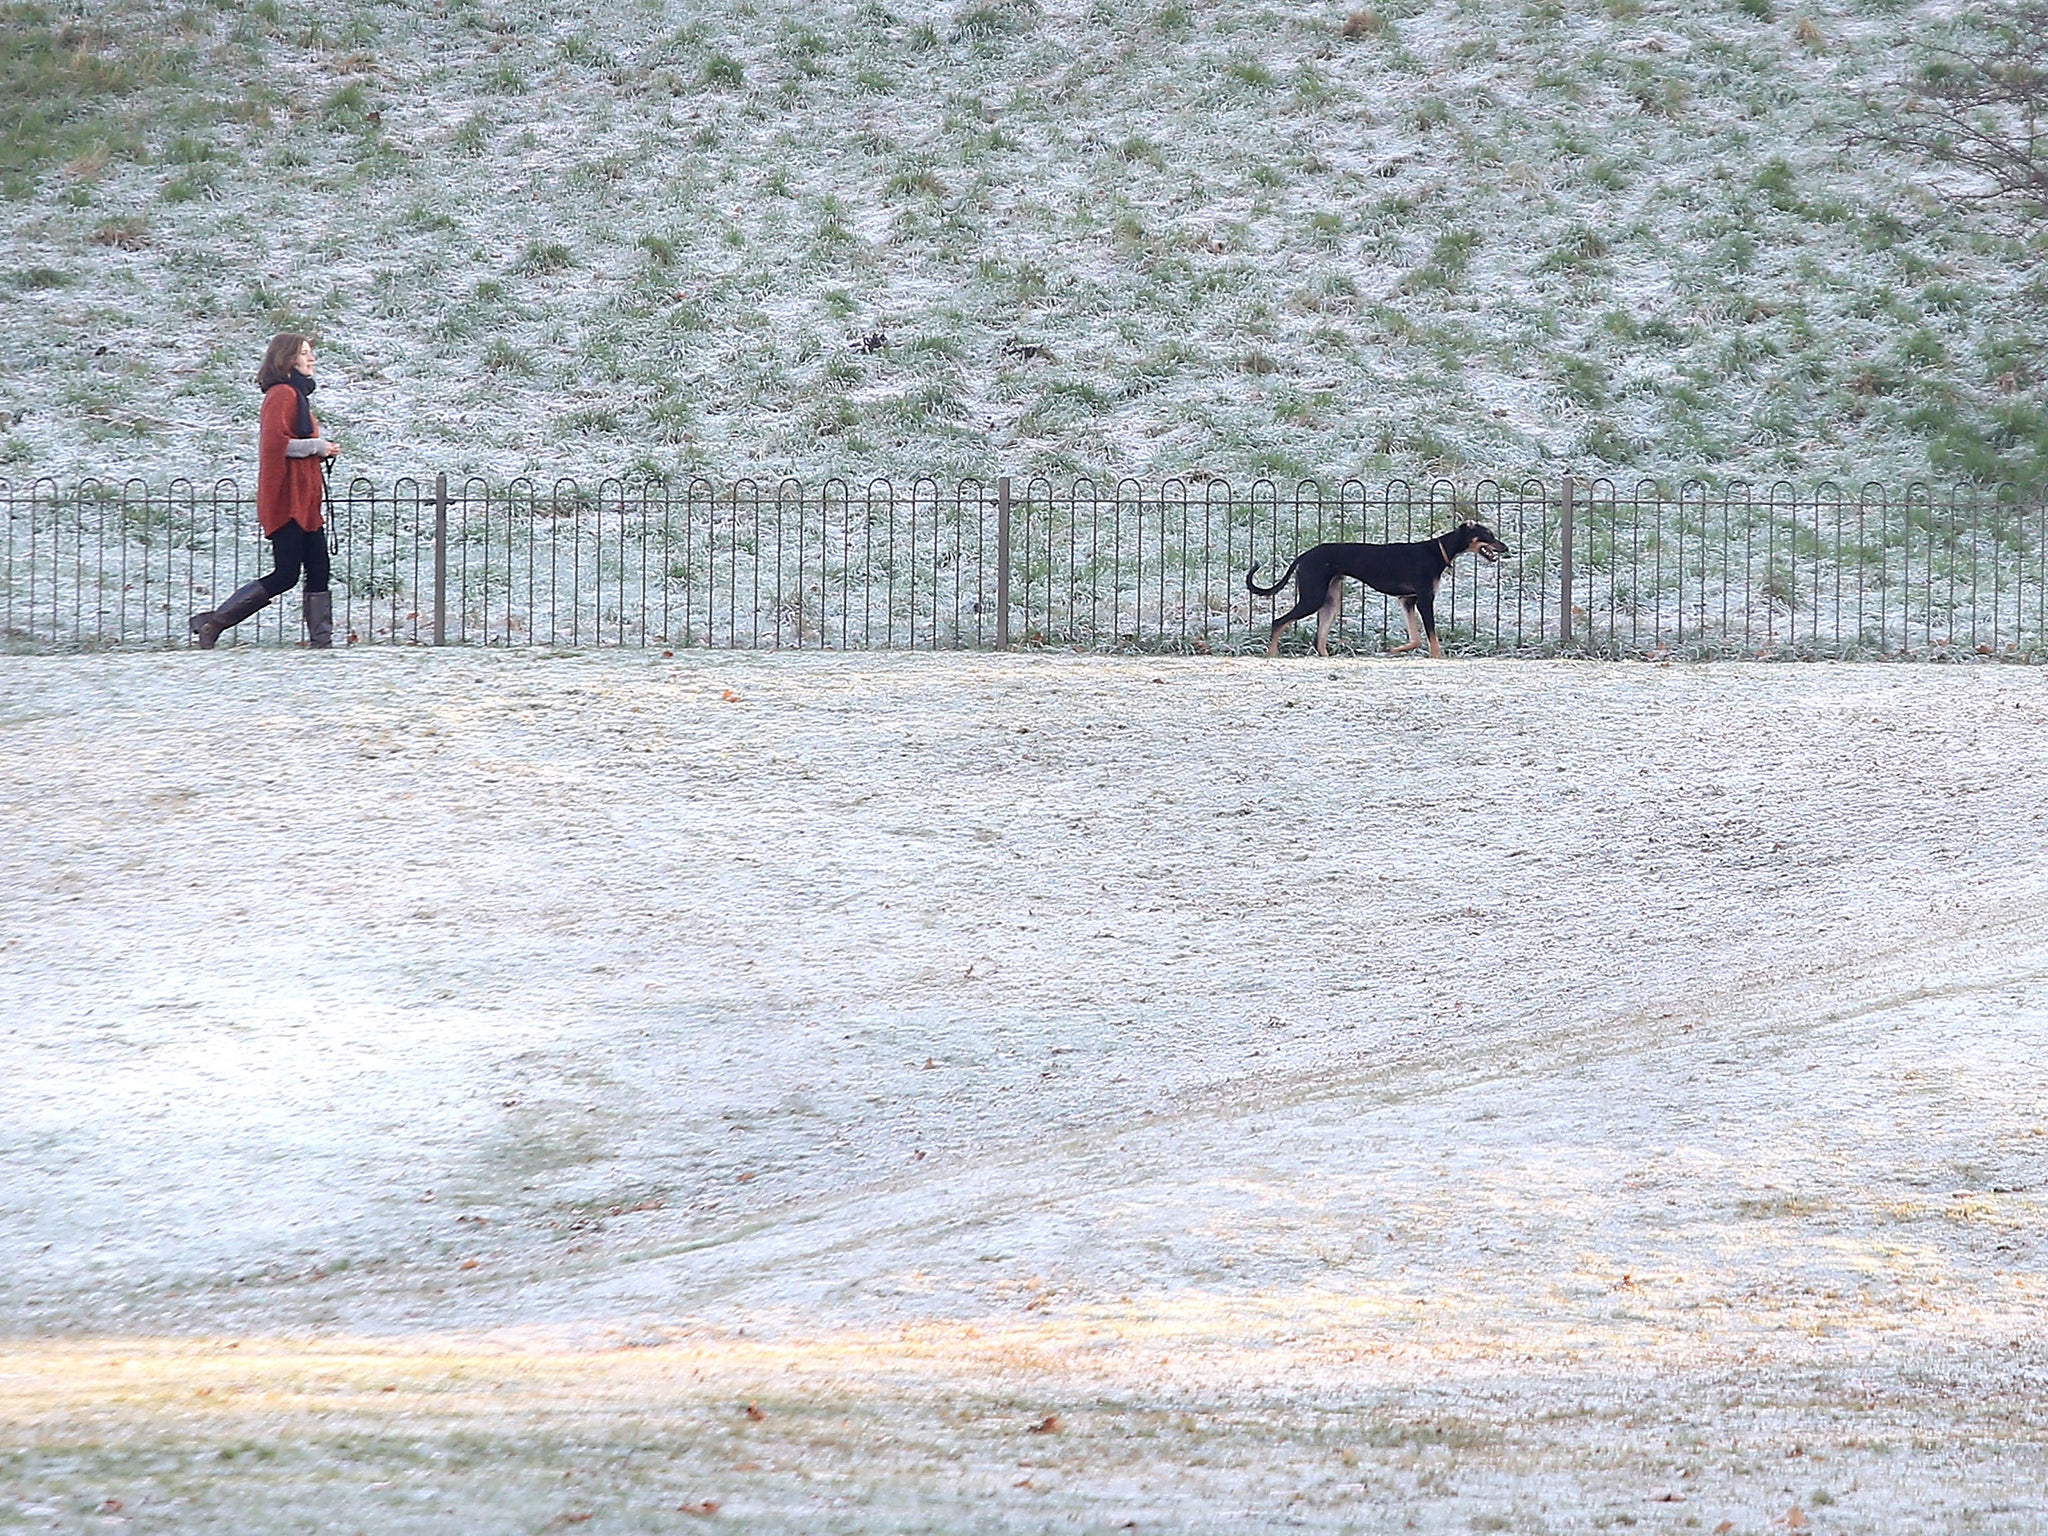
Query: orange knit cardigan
{"points": [[287, 490]]}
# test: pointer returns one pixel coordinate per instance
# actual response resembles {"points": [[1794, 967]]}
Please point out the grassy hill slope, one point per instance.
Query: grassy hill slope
{"points": [[1132, 236]]}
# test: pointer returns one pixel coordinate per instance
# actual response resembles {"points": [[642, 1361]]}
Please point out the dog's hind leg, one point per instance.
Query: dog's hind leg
{"points": [[1307, 605], [1414, 629], [1327, 615]]}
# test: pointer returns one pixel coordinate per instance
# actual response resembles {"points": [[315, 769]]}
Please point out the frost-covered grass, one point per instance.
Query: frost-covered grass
{"points": [[1124, 236], [440, 1092]]}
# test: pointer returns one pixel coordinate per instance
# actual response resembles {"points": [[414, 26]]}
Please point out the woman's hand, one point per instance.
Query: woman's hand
{"points": [[333, 451]]}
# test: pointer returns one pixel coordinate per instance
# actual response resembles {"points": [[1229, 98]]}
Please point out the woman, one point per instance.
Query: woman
{"points": [[289, 452]]}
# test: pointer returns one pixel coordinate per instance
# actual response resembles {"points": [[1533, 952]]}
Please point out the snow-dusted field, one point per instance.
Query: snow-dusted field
{"points": [[1102, 237], [444, 1091]]}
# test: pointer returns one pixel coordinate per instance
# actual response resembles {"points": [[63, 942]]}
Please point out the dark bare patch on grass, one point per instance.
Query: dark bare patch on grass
{"points": [[127, 233]]}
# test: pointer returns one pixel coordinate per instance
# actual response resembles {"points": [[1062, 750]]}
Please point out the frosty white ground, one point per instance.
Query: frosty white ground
{"points": [[442, 1091]]}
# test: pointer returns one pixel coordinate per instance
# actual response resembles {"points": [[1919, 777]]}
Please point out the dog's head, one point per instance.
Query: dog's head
{"points": [[1482, 540]]}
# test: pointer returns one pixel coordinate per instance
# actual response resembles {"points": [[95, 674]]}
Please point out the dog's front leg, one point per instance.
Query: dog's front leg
{"points": [[1414, 628]]}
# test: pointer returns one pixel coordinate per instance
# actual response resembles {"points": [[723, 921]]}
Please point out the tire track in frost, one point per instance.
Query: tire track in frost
{"points": [[1014, 1181]]}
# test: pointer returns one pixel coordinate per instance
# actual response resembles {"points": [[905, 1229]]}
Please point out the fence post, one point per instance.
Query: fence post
{"points": [[1003, 563], [1564, 579], [441, 558]]}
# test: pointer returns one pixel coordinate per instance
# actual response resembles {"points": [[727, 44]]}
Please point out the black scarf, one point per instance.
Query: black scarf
{"points": [[305, 387]]}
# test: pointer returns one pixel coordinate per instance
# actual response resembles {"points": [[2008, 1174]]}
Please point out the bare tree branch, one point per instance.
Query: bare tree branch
{"points": [[1978, 100]]}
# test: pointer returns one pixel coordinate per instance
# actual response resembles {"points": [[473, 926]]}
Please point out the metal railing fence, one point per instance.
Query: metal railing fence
{"points": [[1596, 568]]}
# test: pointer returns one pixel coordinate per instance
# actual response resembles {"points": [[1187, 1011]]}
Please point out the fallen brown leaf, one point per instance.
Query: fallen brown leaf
{"points": [[1724, 1528], [1049, 1425], [754, 1412], [1795, 1519], [703, 1507], [730, 697]]}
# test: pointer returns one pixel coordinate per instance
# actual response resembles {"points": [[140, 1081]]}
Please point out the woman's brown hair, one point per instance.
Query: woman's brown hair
{"points": [[279, 358]]}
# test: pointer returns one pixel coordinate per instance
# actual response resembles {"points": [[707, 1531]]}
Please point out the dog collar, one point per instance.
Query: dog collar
{"points": [[1439, 543]]}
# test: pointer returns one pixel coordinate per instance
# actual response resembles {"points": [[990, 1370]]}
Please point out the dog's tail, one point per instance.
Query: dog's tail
{"points": [[1285, 577]]}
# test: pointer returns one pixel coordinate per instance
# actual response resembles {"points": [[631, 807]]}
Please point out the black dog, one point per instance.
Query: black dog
{"points": [[1410, 572]]}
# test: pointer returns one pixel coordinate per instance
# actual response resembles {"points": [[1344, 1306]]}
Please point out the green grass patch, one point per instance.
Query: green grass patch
{"points": [[472, 136], [1000, 18], [1584, 379], [200, 181], [1923, 349], [916, 181], [594, 421], [502, 357], [505, 78], [1450, 257], [1582, 253], [72, 87], [1777, 184], [347, 109], [542, 258], [1433, 113]]}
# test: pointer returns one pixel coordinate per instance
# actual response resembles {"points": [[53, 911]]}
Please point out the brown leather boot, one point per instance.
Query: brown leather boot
{"points": [[318, 610], [246, 599]]}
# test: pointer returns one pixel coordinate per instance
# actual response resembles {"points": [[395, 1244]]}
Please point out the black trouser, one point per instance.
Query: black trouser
{"points": [[291, 547]]}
